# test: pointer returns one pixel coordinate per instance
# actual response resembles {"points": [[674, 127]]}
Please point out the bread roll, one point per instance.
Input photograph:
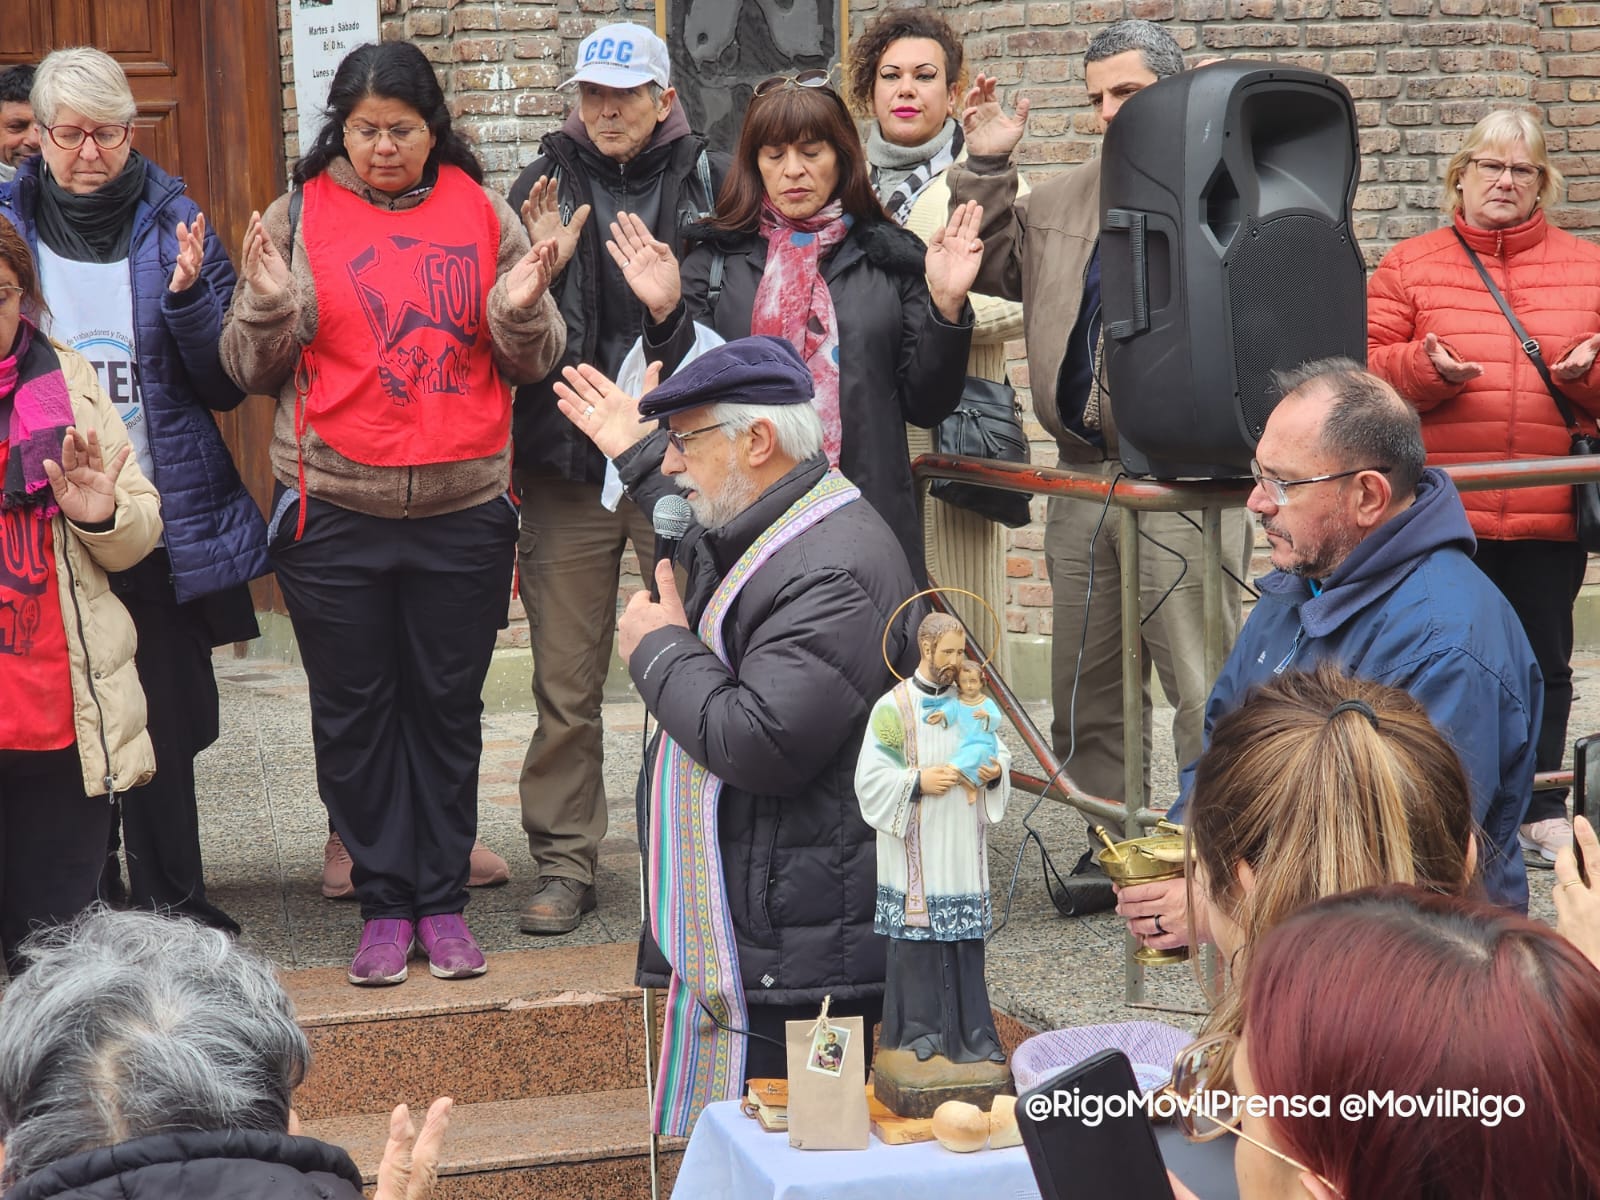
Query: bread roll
{"points": [[960, 1126], [1003, 1129]]}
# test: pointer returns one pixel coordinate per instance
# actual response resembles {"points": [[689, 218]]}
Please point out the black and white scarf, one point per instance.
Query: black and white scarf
{"points": [[900, 173]]}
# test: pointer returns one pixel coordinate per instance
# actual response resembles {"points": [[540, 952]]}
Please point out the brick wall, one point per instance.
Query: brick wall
{"points": [[1421, 72]]}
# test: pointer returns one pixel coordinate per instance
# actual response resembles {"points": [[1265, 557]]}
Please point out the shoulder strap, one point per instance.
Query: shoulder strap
{"points": [[297, 199], [714, 284], [1530, 346], [702, 167]]}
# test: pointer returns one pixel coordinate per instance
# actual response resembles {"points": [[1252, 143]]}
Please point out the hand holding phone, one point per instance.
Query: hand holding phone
{"points": [[1576, 896], [1086, 1137]]}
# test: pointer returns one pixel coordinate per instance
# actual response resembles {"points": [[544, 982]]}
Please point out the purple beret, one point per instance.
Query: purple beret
{"points": [[752, 370]]}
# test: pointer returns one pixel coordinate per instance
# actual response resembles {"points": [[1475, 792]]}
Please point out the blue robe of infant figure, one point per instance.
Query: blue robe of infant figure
{"points": [[975, 717]]}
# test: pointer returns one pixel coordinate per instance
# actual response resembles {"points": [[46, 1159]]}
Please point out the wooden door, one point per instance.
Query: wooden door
{"points": [[206, 79]]}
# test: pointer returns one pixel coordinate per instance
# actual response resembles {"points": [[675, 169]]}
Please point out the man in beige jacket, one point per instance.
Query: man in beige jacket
{"points": [[1043, 249]]}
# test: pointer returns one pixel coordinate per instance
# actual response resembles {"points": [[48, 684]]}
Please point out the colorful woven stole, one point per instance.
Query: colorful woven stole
{"points": [[700, 1062]]}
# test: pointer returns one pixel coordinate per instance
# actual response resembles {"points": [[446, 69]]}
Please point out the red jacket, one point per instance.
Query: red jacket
{"points": [[1428, 285]]}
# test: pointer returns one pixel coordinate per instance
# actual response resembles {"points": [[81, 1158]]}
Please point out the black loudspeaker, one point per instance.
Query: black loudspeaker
{"points": [[1226, 253]]}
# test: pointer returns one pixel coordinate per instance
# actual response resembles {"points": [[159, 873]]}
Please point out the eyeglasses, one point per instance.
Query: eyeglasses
{"points": [[1278, 489], [1194, 1072], [680, 441], [8, 293], [804, 79], [70, 137], [1490, 170], [400, 135]]}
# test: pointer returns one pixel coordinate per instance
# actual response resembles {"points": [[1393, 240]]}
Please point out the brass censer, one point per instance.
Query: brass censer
{"points": [[1146, 860]]}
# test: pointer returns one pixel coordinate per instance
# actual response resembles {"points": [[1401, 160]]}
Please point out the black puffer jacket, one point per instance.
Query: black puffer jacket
{"points": [[899, 361], [241, 1165], [783, 730], [668, 187]]}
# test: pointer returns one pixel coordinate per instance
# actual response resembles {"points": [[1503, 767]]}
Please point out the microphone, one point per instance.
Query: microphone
{"points": [[671, 517]]}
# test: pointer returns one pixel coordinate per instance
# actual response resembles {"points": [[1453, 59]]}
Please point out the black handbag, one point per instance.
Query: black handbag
{"points": [[1585, 496], [986, 424]]}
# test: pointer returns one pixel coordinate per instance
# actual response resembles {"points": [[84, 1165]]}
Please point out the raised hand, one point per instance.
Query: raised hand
{"points": [[1451, 369], [649, 266], [986, 125], [531, 276], [602, 411], [191, 254], [260, 264], [410, 1166], [1578, 360], [954, 255], [541, 213], [84, 485]]}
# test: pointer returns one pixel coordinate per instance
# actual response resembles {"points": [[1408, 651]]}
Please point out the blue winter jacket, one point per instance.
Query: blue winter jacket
{"points": [[1408, 608], [213, 530]]}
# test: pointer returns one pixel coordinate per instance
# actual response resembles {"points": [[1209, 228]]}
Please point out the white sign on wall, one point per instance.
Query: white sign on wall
{"points": [[324, 31]]}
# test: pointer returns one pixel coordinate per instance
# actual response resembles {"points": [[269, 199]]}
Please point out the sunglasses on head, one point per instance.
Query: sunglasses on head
{"points": [[804, 79]]}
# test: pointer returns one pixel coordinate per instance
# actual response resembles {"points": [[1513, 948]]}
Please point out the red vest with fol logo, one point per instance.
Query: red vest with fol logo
{"points": [[401, 371]]}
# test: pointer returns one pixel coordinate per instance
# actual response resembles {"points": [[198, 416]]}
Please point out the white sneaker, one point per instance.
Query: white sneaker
{"points": [[1546, 838]]}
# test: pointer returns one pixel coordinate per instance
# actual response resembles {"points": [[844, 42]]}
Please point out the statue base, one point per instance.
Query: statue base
{"points": [[911, 1088]]}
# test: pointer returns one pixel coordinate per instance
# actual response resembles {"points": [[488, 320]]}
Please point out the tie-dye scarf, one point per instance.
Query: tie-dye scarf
{"points": [[41, 410], [793, 302]]}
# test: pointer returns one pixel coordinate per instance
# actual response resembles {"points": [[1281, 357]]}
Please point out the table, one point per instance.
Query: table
{"points": [[730, 1157]]}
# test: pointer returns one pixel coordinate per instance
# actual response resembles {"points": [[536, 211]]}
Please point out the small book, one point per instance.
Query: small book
{"points": [[768, 1102]]}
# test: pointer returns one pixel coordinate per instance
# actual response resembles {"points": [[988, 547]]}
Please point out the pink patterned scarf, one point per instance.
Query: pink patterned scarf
{"points": [[793, 302], [41, 410]]}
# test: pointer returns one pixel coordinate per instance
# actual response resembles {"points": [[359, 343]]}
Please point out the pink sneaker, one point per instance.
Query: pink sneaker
{"points": [[381, 957], [452, 952], [336, 865]]}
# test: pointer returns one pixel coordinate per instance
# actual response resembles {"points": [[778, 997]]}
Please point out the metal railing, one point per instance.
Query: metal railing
{"points": [[1209, 498]]}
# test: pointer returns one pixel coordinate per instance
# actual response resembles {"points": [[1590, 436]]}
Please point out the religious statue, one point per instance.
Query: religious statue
{"points": [[933, 775]]}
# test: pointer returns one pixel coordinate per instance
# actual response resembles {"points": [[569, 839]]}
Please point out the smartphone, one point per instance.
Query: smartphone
{"points": [[1087, 1139], [1585, 783]]}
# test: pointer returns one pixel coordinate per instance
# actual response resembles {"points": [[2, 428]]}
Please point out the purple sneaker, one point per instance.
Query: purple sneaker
{"points": [[381, 957], [452, 954]]}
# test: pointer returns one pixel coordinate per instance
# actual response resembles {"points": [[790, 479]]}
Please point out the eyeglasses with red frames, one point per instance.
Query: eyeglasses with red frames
{"points": [[71, 137]]}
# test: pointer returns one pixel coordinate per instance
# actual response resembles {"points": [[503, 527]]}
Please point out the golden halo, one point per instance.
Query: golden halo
{"points": [[889, 624]]}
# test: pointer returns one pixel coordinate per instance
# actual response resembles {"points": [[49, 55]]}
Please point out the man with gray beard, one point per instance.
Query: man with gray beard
{"points": [[762, 677]]}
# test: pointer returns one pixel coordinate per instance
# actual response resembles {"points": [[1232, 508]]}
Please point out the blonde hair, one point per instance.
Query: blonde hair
{"points": [[1322, 783], [1503, 127], [83, 78]]}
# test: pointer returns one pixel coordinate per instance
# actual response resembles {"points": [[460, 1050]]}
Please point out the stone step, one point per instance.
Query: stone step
{"points": [[589, 1146], [540, 1023]]}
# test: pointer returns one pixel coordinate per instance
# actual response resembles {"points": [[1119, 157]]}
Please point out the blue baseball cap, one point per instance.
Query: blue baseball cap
{"points": [[752, 370], [622, 56]]}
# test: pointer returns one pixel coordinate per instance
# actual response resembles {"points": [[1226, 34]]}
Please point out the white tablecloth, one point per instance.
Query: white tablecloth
{"points": [[730, 1157]]}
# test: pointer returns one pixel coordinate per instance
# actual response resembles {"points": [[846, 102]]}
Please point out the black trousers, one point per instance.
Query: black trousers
{"points": [[52, 844], [395, 620], [935, 1001], [765, 1054], [160, 821], [1541, 580]]}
